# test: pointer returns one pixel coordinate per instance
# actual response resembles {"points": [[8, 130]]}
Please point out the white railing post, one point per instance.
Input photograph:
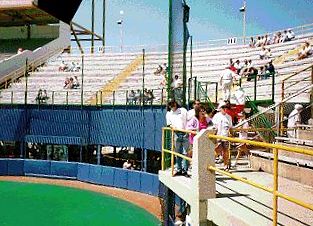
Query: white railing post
{"points": [[203, 180]]}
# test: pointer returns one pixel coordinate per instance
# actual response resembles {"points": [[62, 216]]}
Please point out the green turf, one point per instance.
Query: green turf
{"points": [[40, 204]]}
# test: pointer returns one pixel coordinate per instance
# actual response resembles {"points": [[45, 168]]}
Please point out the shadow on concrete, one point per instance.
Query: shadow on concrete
{"points": [[260, 203]]}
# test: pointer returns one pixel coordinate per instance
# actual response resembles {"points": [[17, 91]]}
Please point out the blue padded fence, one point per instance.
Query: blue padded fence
{"points": [[138, 127], [102, 175]]}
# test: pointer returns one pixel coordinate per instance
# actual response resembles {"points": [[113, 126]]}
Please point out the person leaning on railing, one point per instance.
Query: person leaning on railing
{"points": [[176, 117]]}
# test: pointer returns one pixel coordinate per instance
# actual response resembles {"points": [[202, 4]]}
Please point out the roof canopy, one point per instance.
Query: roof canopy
{"points": [[22, 12]]}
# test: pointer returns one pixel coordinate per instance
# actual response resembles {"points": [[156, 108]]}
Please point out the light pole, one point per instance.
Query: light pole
{"points": [[120, 23], [243, 9]]}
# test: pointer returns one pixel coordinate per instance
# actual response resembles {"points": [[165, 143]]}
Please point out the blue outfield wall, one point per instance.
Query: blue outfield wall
{"points": [[115, 126], [102, 175]]}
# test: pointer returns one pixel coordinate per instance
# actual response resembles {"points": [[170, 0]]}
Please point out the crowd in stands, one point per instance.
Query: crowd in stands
{"points": [[41, 97], [235, 71], [279, 37], [72, 67], [137, 97], [71, 83]]}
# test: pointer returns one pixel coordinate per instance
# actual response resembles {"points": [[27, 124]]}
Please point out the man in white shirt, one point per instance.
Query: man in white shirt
{"points": [[177, 86], [294, 119], [290, 35], [177, 118], [226, 81], [223, 123], [191, 113]]}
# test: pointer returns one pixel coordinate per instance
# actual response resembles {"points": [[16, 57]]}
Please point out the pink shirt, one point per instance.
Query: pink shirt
{"points": [[195, 125]]}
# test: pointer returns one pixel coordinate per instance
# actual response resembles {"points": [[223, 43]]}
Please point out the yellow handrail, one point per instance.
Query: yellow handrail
{"points": [[283, 88], [275, 147]]}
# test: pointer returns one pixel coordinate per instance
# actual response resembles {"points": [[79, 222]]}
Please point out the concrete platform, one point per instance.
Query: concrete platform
{"points": [[239, 204]]}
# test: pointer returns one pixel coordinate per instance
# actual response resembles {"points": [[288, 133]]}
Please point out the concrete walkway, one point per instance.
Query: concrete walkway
{"points": [[239, 204], [247, 205]]}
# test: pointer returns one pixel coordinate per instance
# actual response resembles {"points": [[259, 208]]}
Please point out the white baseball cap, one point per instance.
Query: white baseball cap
{"points": [[298, 106]]}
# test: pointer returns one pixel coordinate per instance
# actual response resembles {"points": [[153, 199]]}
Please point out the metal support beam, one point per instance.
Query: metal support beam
{"points": [[145, 160], [92, 25], [103, 25], [311, 96], [22, 149], [86, 31], [77, 40], [98, 154]]}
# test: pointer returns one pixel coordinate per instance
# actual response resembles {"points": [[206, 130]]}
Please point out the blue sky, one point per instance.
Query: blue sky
{"points": [[146, 21]]}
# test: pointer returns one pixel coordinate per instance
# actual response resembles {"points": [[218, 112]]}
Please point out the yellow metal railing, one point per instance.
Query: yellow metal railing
{"points": [[273, 190], [274, 147], [172, 152], [284, 88]]}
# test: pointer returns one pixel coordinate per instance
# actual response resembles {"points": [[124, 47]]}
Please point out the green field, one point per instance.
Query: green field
{"points": [[23, 204]]}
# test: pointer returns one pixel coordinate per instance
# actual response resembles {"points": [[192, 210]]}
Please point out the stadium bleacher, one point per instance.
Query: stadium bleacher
{"points": [[99, 69]]}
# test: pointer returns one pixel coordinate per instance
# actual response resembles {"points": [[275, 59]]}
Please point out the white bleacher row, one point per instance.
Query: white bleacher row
{"points": [[203, 70], [102, 68], [264, 88], [50, 79]]}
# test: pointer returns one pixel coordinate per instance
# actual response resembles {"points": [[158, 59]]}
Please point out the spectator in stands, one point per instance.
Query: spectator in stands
{"points": [[252, 42], [138, 96], [75, 82], [252, 74], [262, 73], [262, 41], [145, 96], [238, 66], [283, 36], [164, 71], [66, 82], [232, 68], [72, 67], [276, 38], [267, 40], [290, 35], [223, 123], [158, 70], [128, 165], [250, 64], [270, 68], [294, 119], [150, 96], [265, 53], [258, 42], [39, 96], [177, 119], [226, 81], [44, 97], [244, 67], [131, 97], [177, 86], [63, 66], [305, 52], [20, 50]]}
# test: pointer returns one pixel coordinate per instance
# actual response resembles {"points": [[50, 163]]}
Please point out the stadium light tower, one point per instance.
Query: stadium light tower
{"points": [[243, 10], [120, 24]]}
